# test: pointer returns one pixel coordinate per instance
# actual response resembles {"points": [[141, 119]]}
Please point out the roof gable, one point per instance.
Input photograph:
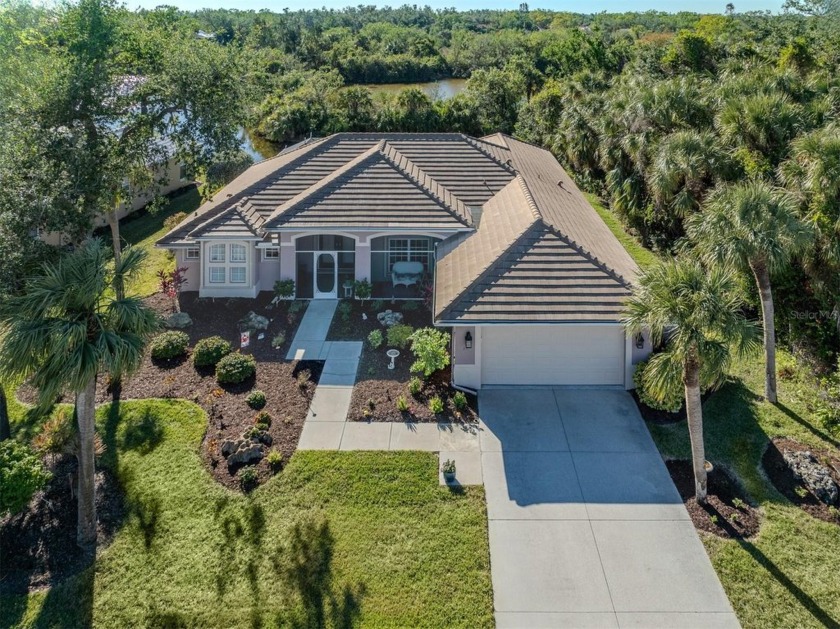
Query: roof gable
{"points": [[379, 188]]}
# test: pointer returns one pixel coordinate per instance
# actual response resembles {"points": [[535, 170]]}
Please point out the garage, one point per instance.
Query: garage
{"points": [[569, 354]]}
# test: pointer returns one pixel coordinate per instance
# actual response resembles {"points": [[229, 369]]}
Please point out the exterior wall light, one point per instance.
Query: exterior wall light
{"points": [[640, 341], [468, 340]]}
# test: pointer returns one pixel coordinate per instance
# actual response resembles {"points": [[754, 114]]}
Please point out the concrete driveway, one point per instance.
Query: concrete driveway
{"points": [[586, 527]]}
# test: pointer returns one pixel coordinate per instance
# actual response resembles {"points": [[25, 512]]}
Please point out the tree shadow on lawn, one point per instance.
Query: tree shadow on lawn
{"points": [[819, 614], [807, 425], [304, 566]]}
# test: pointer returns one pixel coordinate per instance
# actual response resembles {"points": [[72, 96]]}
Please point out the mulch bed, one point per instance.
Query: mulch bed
{"points": [[782, 477], [377, 387], [38, 546], [719, 516], [229, 415]]}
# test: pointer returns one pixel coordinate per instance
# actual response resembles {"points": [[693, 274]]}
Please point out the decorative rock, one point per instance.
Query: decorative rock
{"points": [[253, 322], [389, 318], [814, 476], [178, 320]]}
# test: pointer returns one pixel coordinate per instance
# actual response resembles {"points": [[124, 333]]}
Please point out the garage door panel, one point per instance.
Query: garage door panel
{"points": [[553, 355]]}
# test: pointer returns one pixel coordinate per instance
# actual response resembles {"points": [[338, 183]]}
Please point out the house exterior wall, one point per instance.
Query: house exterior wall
{"points": [[193, 270], [466, 363], [269, 271], [226, 288]]}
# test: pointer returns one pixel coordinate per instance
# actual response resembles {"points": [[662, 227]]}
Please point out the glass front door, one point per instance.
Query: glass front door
{"points": [[325, 276]]}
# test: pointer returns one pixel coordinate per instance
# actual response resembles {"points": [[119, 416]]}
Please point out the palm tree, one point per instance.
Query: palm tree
{"points": [[697, 311], [66, 328], [754, 227], [813, 174]]}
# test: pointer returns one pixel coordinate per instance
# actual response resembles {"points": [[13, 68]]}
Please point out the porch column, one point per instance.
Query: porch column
{"points": [[363, 261]]}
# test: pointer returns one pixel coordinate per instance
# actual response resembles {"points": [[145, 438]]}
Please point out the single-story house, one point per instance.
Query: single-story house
{"points": [[521, 267]]}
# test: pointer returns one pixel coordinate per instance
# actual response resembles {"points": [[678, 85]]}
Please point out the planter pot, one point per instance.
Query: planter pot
{"points": [[449, 477]]}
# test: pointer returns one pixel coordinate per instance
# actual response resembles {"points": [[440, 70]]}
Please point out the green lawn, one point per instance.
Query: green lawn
{"points": [[643, 257], [144, 230], [789, 576], [367, 539]]}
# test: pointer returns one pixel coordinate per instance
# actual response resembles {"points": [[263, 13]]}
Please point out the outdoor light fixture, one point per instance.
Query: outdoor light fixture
{"points": [[468, 340], [640, 341]]}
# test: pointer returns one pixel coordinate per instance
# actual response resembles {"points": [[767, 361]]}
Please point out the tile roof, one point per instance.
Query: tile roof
{"points": [[381, 188], [540, 252]]}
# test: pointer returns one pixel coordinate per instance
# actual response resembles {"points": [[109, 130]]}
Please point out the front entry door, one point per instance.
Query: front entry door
{"points": [[326, 275]]}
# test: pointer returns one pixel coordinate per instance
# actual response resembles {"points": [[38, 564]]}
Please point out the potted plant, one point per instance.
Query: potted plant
{"points": [[284, 289], [448, 469]]}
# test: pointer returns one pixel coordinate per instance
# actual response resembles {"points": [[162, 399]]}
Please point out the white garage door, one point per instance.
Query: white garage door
{"points": [[553, 354]]}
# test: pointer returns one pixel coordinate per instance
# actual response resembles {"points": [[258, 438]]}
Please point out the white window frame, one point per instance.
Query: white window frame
{"points": [[192, 253], [236, 247], [213, 256], [228, 269], [274, 254], [210, 270], [244, 270], [412, 251]]}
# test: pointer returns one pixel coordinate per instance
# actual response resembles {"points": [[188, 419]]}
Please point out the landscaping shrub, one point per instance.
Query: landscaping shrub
{"points": [[402, 404], [171, 344], [377, 304], [256, 399], [248, 478], [303, 379], [399, 335], [362, 289], [296, 306], [460, 401], [278, 340], [375, 339], [410, 306], [671, 403], [436, 405], [56, 434], [284, 288], [21, 475], [429, 347], [263, 420], [274, 460], [415, 385], [344, 309], [235, 368], [209, 351]]}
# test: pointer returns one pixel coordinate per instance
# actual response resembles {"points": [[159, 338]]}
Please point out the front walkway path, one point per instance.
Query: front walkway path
{"points": [[310, 342], [586, 527]]}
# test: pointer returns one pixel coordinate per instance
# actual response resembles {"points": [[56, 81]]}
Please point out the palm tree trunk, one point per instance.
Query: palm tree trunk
{"points": [[114, 224], [85, 399], [762, 280], [694, 411], [5, 428]]}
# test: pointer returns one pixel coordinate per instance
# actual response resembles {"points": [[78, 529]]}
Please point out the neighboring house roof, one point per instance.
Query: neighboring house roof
{"points": [[542, 253]]}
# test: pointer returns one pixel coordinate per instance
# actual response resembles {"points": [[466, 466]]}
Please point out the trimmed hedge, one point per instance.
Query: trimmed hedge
{"points": [[171, 344], [672, 402], [235, 368], [208, 352]]}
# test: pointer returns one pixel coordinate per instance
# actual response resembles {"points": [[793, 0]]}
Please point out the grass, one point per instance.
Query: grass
{"points": [[337, 539], [143, 230], [643, 257], [789, 575]]}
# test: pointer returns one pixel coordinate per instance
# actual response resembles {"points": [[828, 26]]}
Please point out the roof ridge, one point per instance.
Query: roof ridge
{"points": [[441, 193], [474, 142], [238, 209], [301, 196], [568, 240]]}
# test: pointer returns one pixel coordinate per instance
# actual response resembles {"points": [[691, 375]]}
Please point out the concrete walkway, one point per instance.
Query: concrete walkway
{"points": [[586, 527], [310, 342]]}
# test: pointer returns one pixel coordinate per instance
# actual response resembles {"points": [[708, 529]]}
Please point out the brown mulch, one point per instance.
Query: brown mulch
{"points": [[783, 479], [719, 516], [377, 387], [229, 415], [38, 546]]}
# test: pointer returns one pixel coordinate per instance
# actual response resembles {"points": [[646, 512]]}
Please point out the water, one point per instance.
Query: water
{"points": [[257, 148], [438, 90]]}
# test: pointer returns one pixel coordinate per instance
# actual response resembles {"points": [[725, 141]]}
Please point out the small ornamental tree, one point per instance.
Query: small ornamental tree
{"points": [[171, 284], [362, 289], [429, 347]]}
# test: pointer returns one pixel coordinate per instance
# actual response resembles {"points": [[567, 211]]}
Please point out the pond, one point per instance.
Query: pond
{"points": [[257, 147], [438, 90]]}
